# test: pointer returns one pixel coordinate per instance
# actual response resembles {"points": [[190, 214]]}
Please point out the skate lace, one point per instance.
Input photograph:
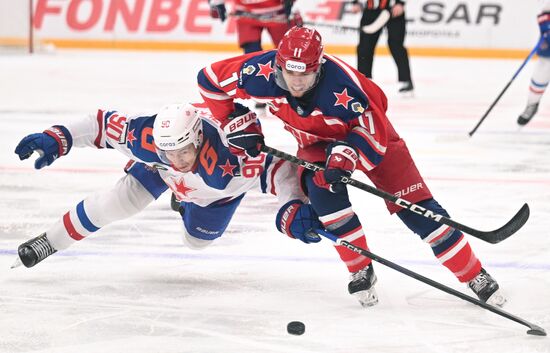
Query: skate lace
{"points": [[359, 275], [478, 283], [42, 248]]}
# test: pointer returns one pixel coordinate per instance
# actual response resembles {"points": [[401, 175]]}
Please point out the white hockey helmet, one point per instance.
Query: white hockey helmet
{"points": [[177, 126]]}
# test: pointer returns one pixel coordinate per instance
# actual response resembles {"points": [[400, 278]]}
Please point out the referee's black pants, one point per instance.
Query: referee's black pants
{"points": [[396, 37]]}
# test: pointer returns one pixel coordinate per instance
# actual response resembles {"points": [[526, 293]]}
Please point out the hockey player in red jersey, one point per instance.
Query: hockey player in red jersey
{"points": [[255, 16], [338, 117], [182, 149]]}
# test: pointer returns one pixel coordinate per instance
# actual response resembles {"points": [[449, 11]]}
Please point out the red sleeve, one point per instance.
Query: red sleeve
{"points": [[369, 131], [218, 85]]}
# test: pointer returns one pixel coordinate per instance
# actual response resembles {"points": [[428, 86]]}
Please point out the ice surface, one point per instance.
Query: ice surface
{"points": [[133, 287]]}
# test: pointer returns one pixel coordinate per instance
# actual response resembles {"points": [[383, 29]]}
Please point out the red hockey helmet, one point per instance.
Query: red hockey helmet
{"points": [[301, 50]]}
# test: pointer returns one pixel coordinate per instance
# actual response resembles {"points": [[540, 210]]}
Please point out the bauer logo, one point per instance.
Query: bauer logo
{"points": [[167, 144], [292, 65]]}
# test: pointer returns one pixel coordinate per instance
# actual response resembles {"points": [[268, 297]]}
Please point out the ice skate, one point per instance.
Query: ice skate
{"points": [[528, 114], [406, 89], [34, 251], [362, 286], [487, 289]]}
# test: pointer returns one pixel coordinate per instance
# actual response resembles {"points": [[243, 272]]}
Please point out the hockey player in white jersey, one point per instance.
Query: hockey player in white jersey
{"points": [[541, 74], [182, 149]]}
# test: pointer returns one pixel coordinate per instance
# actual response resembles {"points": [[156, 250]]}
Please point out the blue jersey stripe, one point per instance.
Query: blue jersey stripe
{"points": [[83, 218]]}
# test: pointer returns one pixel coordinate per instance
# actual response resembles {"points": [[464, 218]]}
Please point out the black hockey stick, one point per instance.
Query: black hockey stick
{"points": [[492, 237], [334, 27], [374, 27], [533, 329], [506, 87]]}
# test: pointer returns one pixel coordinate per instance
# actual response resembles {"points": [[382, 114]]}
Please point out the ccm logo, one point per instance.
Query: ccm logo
{"points": [[292, 65]]}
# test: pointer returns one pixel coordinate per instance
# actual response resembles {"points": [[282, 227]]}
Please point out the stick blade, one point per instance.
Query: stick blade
{"points": [[536, 331], [513, 225]]}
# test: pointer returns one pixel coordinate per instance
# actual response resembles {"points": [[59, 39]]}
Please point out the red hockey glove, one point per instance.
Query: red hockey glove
{"points": [[341, 161], [298, 221], [243, 132]]}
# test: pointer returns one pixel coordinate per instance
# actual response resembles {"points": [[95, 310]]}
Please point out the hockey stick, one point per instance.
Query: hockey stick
{"points": [[492, 237], [374, 27], [335, 27], [506, 87], [533, 329]]}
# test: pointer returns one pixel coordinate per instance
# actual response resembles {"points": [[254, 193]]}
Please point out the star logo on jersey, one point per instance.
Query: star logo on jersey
{"points": [[227, 168], [343, 98], [182, 189], [265, 70], [131, 138]]}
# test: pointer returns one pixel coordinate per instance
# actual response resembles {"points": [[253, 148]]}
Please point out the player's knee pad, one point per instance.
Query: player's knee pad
{"points": [[419, 224], [251, 47]]}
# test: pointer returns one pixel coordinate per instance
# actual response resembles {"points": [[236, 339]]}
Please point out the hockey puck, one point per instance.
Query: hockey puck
{"points": [[296, 328]]}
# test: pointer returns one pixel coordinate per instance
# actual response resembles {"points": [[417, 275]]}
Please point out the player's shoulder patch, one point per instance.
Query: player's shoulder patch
{"points": [[342, 91], [259, 66], [357, 107], [257, 75]]}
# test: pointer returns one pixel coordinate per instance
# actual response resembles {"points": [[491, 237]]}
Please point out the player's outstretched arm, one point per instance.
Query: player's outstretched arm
{"points": [[50, 145]]}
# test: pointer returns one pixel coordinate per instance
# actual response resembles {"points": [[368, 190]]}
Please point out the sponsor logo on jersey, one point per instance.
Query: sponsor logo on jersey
{"points": [[297, 66], [357, 107], [249, 70]]}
